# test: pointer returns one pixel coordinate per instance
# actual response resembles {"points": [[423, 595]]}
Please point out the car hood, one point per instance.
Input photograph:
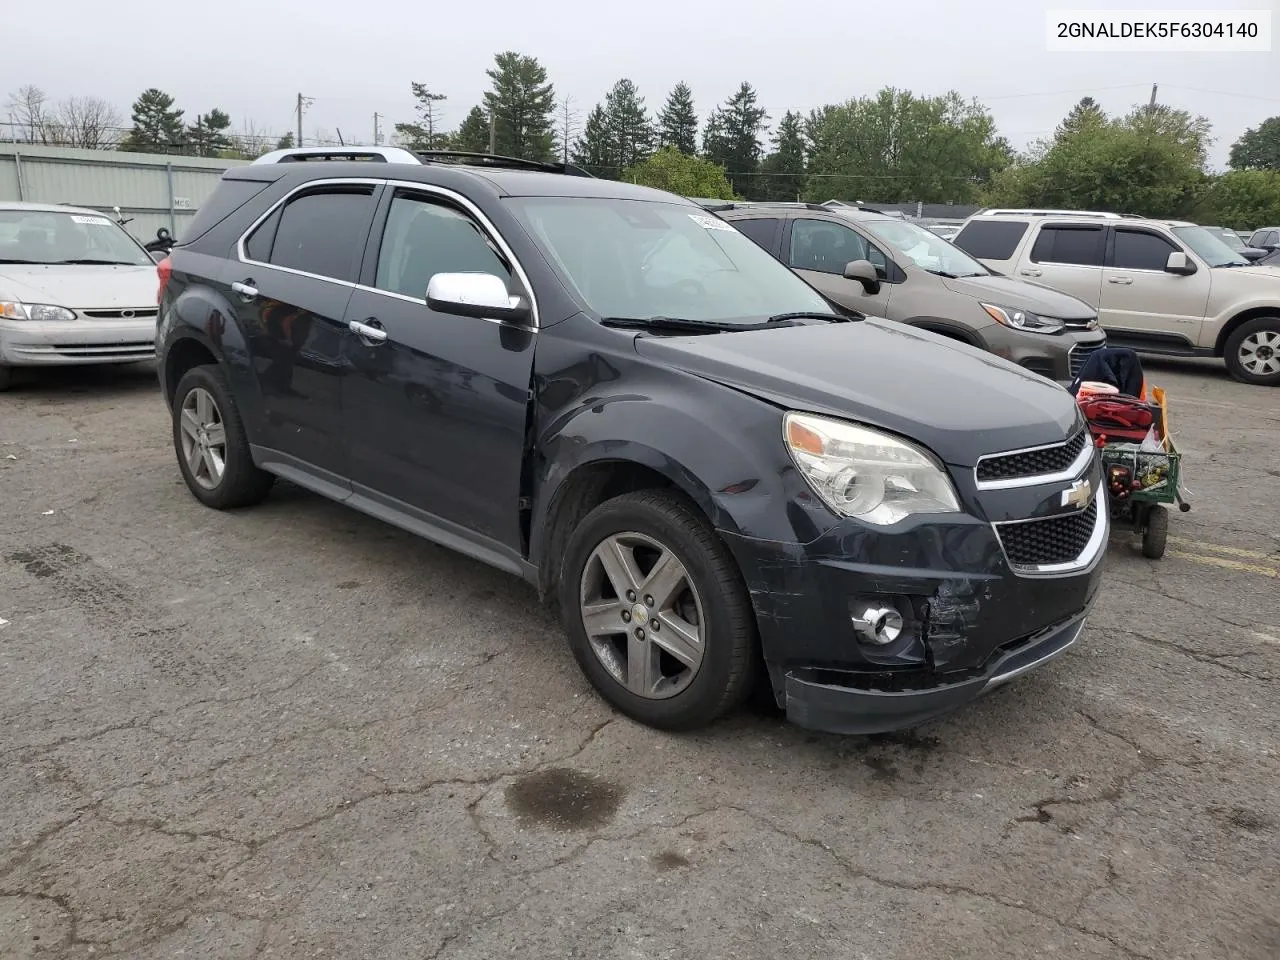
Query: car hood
{"points": [[1264, 275], [958, 401], [1023, 295], [84, 287]]}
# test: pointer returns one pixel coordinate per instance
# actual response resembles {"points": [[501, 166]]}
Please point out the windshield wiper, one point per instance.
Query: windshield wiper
{"points": [[943, 273], [810, 315], [34, 263], [96, 263], [678, 324]]}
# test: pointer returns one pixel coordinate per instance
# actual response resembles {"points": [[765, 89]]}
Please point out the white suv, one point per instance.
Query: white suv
{"points": [[1159, 286]]}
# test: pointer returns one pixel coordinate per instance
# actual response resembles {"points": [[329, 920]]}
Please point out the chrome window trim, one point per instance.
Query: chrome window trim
{"points": [[1089, 557], [1077, 467], [485, 223]]}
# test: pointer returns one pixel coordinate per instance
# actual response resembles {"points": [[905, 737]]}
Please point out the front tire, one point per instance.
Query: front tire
{"points": [[6, 377], [210, 442], [1252, 352], [657, 614]]}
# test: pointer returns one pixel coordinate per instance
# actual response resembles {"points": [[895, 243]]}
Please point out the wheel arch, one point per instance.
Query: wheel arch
{"points": [[1239, 320]]}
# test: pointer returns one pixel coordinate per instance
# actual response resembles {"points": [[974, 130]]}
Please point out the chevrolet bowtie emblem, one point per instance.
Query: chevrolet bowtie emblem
{"points": [[1078, 495]]}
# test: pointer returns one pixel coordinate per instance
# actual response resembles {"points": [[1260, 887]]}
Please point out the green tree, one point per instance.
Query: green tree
{"points": [[1245, 199], [1085, 115], [285, 142], [896, 146], [670, 169], [1258, 149], [732, 139], [157, 124], [522, 103], [472, 134], [207, 137], [678, 121], [618, 133], [782, 171], [425, 132]]}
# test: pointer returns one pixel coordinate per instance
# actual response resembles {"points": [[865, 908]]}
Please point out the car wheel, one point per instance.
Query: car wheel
{"points": [[656, 612], [1253, 352], [209, 439], [6, 377]]}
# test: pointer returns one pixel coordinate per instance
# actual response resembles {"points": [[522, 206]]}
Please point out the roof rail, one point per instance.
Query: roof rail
{"points": [[465, 157], [374, 154], [1038, 212]]}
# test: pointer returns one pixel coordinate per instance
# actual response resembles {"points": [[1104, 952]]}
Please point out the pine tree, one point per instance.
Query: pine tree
{"points": [[472, 134], [425, 134], [593, 149], [285, 142], [522, 103], [783, 170], [732, 139], [678, 121], [157, 125], [207, 137], [629, 126], [1085, 115]]}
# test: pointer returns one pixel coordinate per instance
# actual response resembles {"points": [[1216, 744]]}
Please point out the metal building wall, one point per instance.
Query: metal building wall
{"points": [[156, 191]]}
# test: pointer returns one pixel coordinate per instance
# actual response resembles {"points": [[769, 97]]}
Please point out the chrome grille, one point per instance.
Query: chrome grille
{"points": [[1054, 540], [1031, 463], [140, 313], [1077, 356]]}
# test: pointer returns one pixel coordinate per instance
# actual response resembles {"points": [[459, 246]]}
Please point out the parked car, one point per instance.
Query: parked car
{"points": [[1159, 286], [610, 392], [899, 270], [1266, 238], [75, 288], [1232, 240], [947, 231]]}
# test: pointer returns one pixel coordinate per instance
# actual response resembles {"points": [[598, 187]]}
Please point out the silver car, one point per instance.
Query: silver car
{"points": [[75, 288]]}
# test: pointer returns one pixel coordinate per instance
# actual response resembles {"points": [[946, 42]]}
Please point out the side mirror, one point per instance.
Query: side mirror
{"points": [[1179, 264], [480, 295], [864, 273]]}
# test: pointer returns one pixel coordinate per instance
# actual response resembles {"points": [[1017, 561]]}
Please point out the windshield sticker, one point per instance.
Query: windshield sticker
{"points": [[711, 223], [96, 221]]}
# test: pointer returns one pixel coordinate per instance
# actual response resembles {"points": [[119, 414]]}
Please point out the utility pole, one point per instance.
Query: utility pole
{"points": [[377, 137], [303, 103], [1152, 104]]}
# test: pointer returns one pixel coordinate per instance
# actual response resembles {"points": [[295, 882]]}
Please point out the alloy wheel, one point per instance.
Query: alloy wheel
{"points": [[204, 438], [1260, 353]]}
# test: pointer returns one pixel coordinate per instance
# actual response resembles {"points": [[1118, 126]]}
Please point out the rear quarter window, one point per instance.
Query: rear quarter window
{"points": [[227, 197], [990, 239]]}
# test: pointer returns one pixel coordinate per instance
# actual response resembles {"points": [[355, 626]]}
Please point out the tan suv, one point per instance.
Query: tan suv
{"points": [[1159, 286], [888, 267]]}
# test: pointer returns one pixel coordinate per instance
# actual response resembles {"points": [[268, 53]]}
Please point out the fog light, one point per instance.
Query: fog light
{"points": [[877, 624]]}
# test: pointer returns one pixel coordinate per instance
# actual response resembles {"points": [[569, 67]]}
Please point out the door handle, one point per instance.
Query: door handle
{"points": [[369, 330], [1122, 281], [246, 289], [1030, 273]]}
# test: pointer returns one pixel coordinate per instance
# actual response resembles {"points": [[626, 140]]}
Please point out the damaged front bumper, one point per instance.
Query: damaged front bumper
{"points": [[968, 622]]}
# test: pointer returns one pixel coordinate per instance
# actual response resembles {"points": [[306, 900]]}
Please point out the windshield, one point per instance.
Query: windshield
{"points": [[926, 249], [45, 236], [1229, 237], [641, 259], [1209, 247]]}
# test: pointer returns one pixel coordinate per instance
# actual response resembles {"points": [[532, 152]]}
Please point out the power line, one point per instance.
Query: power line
{"points": [[1060, 93], [1224, 93]]}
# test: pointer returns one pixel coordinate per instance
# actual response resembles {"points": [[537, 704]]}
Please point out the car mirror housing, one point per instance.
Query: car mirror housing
{"points": [[481, 295], [1179, 263], [865, 273]]}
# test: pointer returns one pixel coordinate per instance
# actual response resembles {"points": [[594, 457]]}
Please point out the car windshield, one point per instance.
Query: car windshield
{"points": [[643, 258], [926, 249], [46, 236], [1209, 248], [1229, 237]]}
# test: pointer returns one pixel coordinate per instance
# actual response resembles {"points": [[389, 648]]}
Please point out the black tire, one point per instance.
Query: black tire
{"points": [[1231, 351], [6, 377], [242, 484], [1155, 534], [730, 656]]}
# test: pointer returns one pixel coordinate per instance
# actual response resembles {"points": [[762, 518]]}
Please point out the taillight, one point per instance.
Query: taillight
{"points": [[163, 269]]}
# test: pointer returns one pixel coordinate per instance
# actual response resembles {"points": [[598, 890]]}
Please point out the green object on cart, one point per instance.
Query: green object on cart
{"points": [[1158, 473]]}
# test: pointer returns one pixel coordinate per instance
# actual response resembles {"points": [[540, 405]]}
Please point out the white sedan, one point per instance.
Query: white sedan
{"points": [[75, 288]]}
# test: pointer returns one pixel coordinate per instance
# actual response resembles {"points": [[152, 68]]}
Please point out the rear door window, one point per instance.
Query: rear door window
{"points": [[1069, 244], [990, 239], [320, 232]]}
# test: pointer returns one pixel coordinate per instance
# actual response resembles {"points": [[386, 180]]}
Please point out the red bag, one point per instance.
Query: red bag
{"points": [[1117, 417]]}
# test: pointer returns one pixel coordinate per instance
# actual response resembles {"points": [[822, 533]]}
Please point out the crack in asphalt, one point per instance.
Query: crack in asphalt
{"points": [[1212, 659]]}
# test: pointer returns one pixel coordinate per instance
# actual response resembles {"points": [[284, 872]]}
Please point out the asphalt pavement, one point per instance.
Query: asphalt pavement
{"points": [[294, 731]]}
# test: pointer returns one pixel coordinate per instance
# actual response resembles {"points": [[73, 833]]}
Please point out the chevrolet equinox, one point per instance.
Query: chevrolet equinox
{"points": [[610, 392]]}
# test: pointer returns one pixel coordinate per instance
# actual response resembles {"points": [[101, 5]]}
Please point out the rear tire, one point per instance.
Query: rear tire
{"points": [[210, 443], [6, 378], [1252, 352], [1155, 535], [641, 677]]}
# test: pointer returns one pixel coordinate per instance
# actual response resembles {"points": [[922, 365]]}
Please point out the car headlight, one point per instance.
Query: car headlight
{"points": [[16, 310], [1023, 319], [863, 473]]}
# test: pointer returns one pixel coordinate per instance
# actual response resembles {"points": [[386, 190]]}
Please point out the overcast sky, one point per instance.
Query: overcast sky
{"points": [[251, 57]]}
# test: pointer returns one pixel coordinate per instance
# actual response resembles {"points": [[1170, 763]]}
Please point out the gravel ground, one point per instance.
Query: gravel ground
{"points": [[296, 732]]}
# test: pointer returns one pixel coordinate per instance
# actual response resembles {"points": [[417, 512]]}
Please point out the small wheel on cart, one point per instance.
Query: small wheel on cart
{"points": [[1155, 532]]}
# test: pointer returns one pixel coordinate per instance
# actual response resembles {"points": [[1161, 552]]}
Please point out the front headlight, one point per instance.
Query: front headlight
{"points": [[16, 310], [860, 472], [1023, 319]]}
